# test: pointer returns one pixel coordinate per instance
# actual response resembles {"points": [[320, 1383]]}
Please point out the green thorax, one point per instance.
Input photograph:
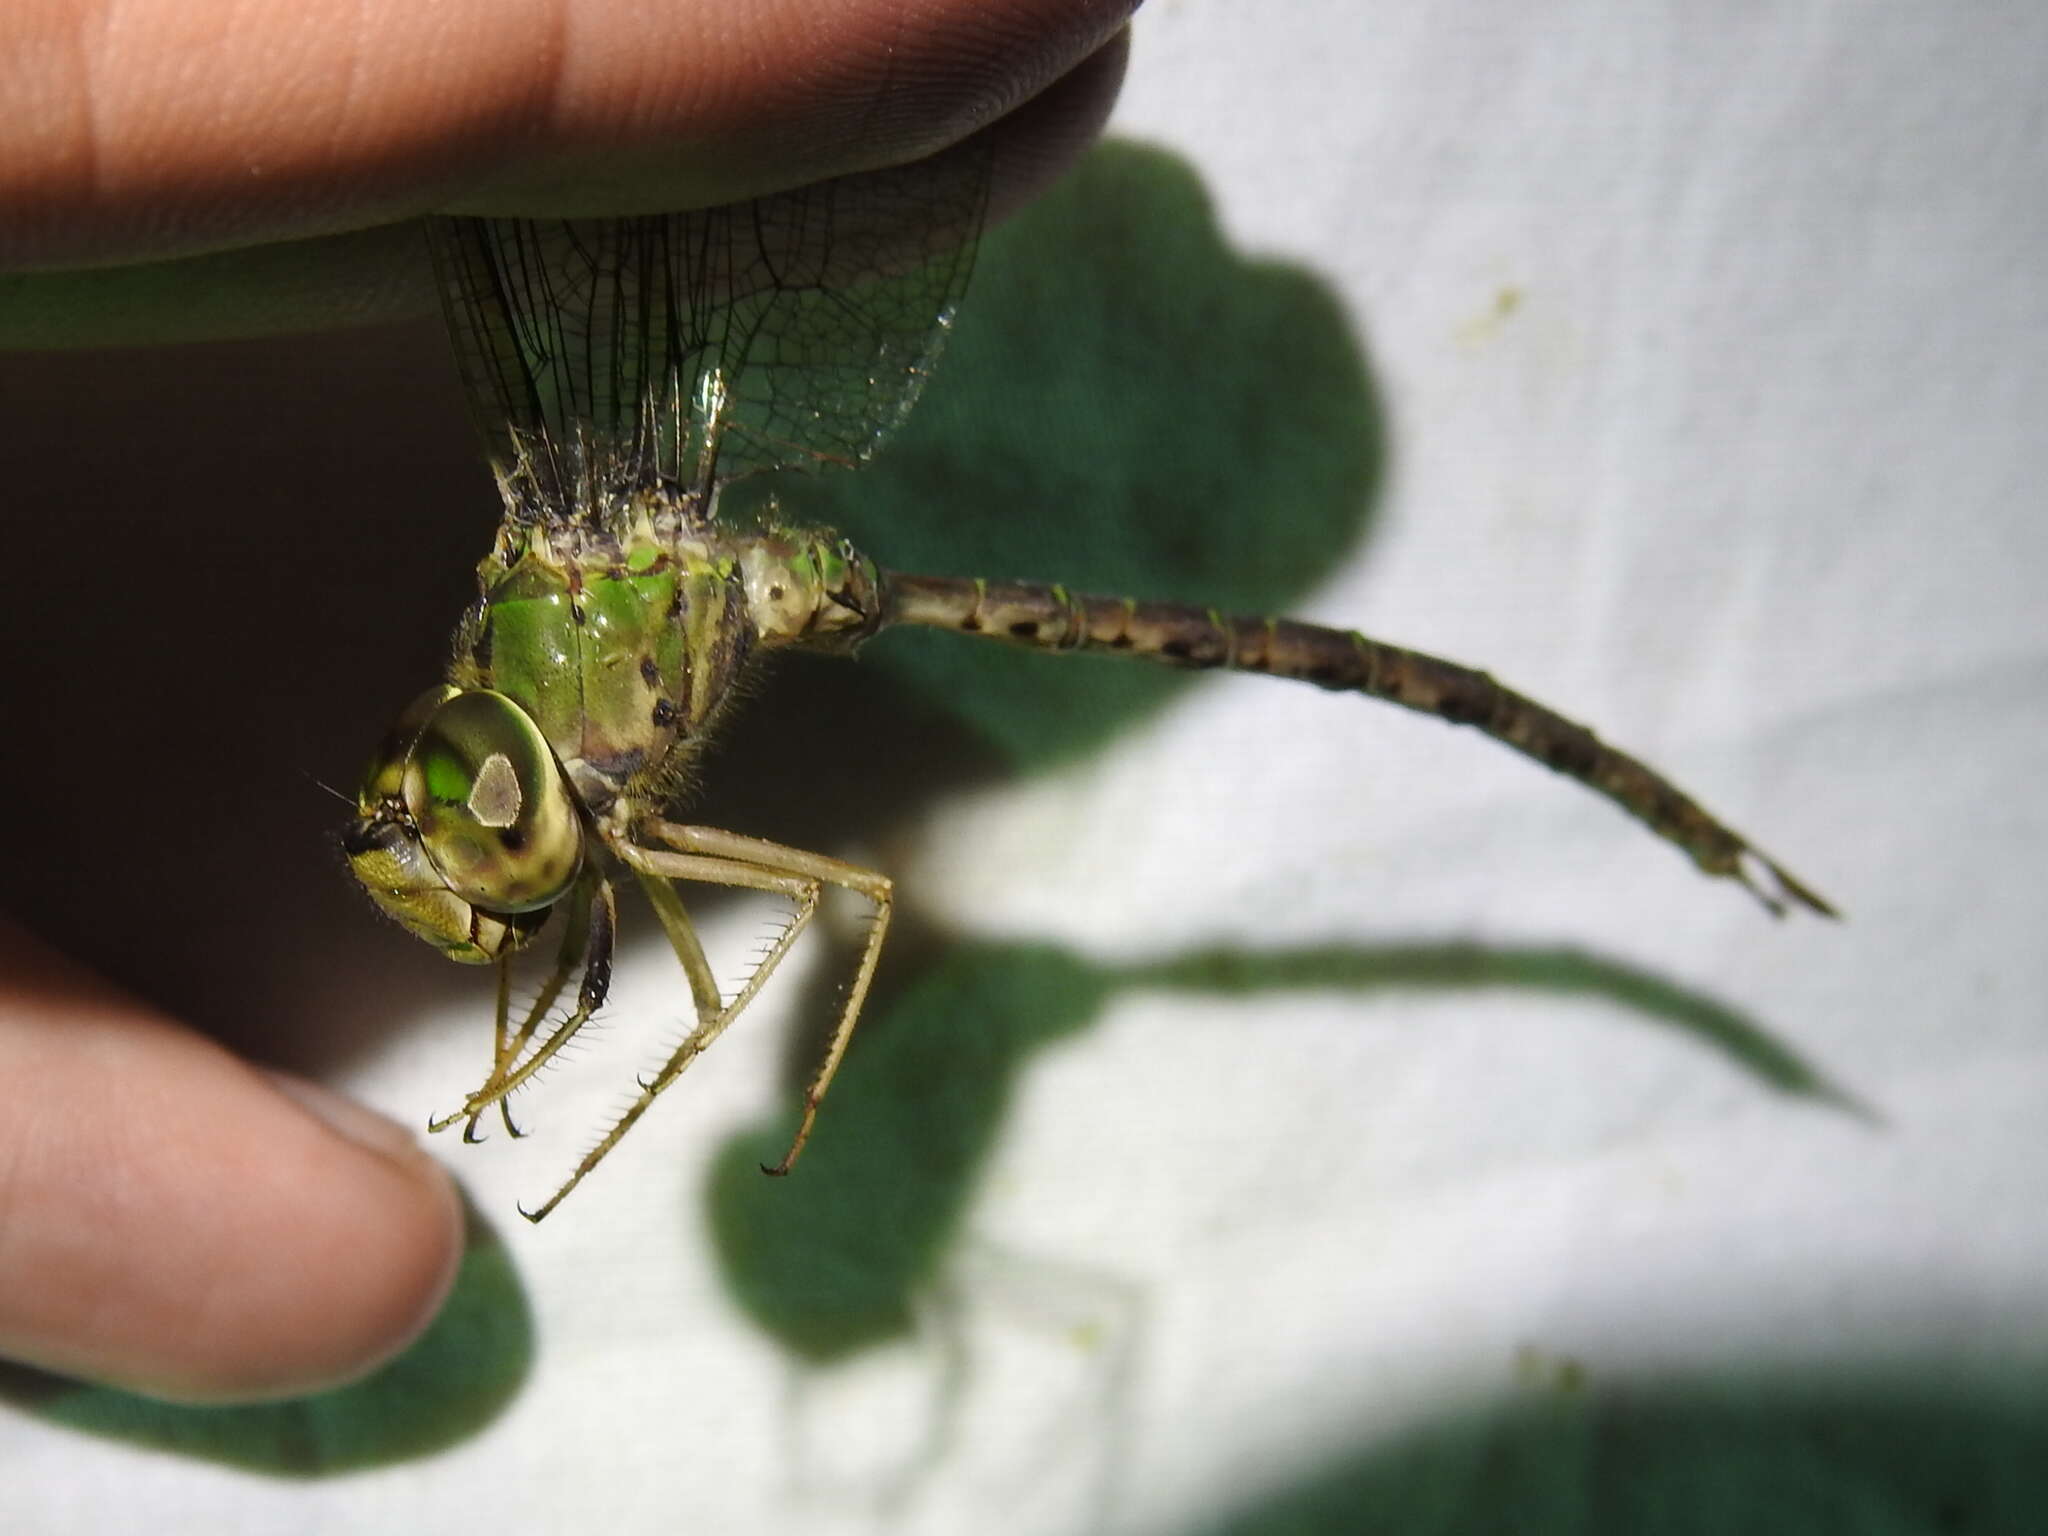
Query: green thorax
{"points": [[623, 636]]}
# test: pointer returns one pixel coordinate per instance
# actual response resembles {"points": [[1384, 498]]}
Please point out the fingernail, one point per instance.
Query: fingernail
{"points": [[363, 1126]]}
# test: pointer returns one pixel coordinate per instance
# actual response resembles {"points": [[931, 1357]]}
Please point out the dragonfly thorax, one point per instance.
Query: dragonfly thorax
{"points": [[620, 637]]}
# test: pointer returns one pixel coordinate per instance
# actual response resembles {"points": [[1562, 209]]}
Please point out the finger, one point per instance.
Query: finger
{"points": [[371, 275], [176, 1222], [136, 129]]}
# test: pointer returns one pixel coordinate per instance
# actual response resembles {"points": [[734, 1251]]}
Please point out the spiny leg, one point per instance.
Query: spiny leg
{"points": [[713, 857], [812, 866], [575, 940], [508, 1041], [594, 949], [506, 1048], [588, 939], [655, 870], [682, 938]]}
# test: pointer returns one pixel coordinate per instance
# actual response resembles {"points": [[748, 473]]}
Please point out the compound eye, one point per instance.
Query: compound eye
{"points": [[494, 813], [385, 772]]}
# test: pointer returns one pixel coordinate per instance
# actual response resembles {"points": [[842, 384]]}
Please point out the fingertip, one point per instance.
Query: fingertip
{"points": [[174, 137], [326, 1244], [178, 1223], [1041, 140], [374, 1257]]}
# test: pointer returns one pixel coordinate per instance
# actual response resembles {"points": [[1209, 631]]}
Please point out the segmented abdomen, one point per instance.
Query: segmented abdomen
{"points": [[1051, 618]]}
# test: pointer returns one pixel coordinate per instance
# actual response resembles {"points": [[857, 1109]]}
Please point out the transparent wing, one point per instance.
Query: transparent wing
{"points": [[786, 332]]}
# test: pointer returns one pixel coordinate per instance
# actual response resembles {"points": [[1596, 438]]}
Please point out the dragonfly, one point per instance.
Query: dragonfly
{"points": [[625, 373]]}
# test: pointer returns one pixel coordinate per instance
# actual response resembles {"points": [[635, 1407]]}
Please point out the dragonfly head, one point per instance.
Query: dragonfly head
{"points": [[465, 831]]}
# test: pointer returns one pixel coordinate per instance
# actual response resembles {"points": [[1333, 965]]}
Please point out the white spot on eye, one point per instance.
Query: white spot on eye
{"points": [[496, 799]]}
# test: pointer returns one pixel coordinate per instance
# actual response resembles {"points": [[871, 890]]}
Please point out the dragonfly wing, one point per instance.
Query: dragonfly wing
{"points": [[787, 332]]}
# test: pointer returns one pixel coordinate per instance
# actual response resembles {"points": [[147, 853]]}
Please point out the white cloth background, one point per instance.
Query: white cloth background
{"points": [[1749, 476]]}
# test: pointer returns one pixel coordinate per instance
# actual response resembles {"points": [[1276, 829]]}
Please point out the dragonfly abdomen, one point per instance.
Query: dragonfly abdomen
{"points": [[1049, 617]]}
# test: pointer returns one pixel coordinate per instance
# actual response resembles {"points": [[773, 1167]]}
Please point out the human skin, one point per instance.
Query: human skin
{"points": [[172, 1219]]}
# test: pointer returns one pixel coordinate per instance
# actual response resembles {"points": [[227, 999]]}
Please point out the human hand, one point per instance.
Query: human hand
{"points": [[174, 171], [172, 1219]]}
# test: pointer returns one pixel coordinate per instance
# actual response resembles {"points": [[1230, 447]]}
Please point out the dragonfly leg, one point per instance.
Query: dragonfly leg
{"points": [[589, 943], [506, 1048], [711, 857], [682, 938], [510, 1042], [655, 870], [878, 891]]}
